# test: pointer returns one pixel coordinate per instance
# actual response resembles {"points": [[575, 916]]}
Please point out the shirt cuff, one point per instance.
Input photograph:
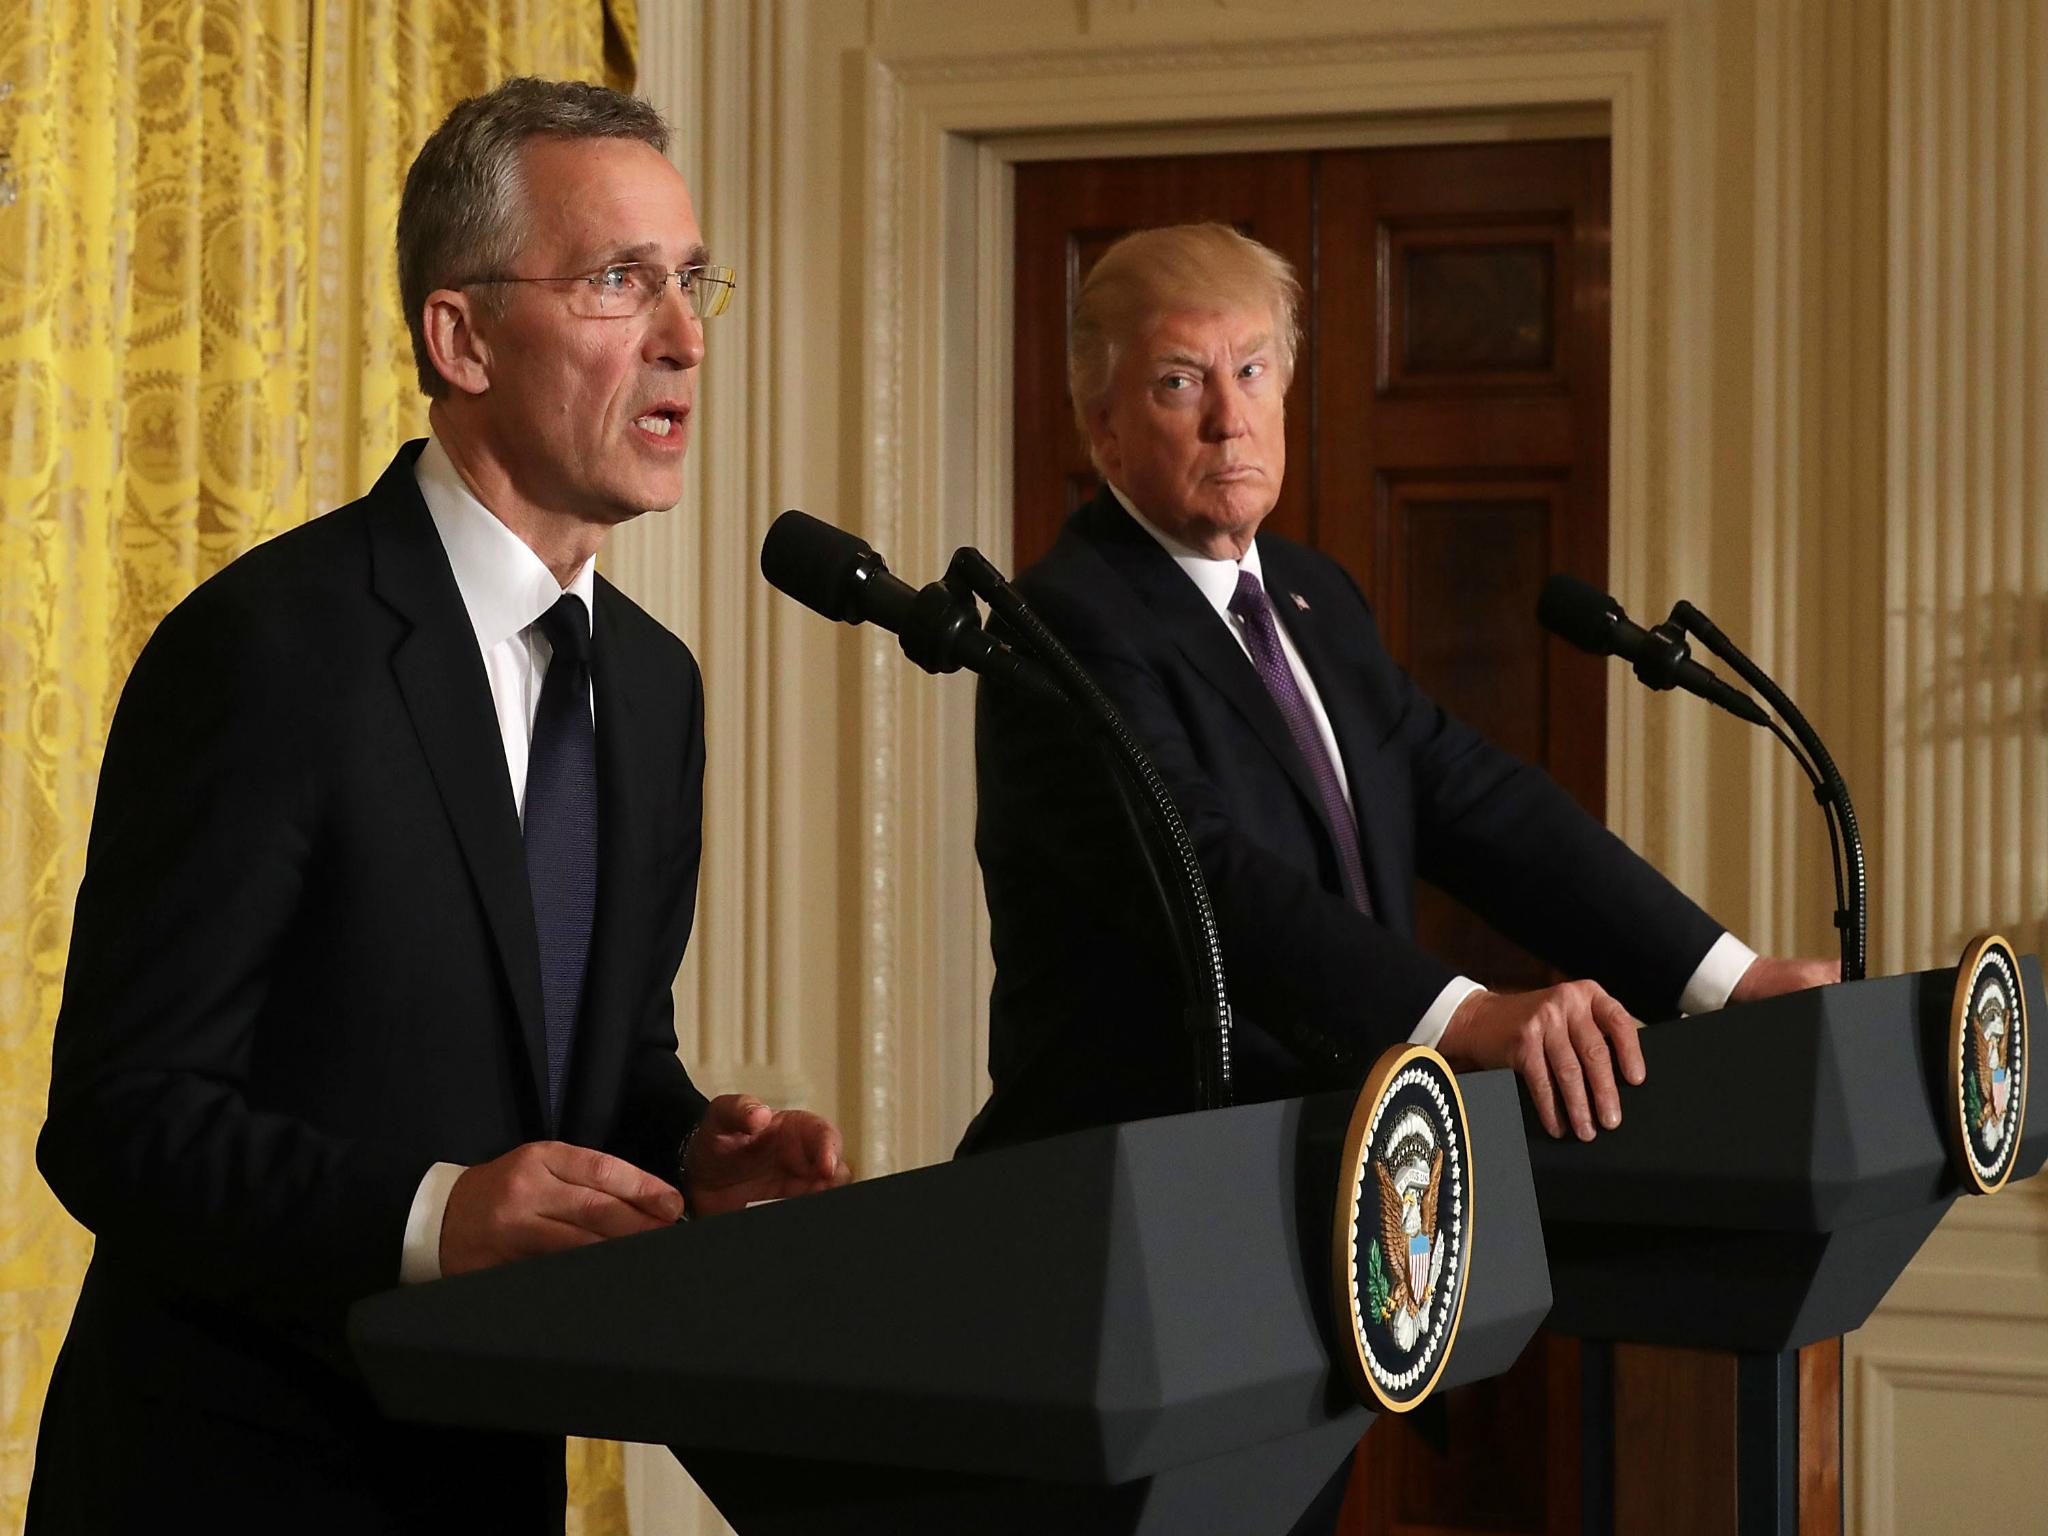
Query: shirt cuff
{"points": [[1714, 982], [421, 1259], [1431, 1027]]}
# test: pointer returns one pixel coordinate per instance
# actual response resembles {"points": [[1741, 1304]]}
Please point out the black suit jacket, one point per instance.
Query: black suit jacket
{"points": [[1086, 1020], [303, 970]]}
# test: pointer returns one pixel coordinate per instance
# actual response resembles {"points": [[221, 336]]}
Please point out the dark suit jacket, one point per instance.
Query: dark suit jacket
{"points": [[1086, 1018], [303, 970]]}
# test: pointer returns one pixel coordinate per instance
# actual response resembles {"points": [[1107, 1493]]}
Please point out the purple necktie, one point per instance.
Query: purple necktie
{"points": [[561, 834], [1262, 638]]}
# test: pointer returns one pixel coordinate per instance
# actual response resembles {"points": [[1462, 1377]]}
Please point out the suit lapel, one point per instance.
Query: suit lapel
{"points": [[605, 1024], [440, 675], [1196, 630], [1337, 685]]}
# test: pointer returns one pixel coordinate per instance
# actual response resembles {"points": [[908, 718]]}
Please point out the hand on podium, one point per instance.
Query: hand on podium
{"points": [[1563, 1041], [744, 1152]]}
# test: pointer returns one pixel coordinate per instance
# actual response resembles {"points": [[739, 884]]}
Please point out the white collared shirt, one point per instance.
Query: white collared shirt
{"points": [[506, 588], [1217, 582], [1712, 981]]}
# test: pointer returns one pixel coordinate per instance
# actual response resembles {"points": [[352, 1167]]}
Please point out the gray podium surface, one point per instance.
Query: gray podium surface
{"points": [[1778, 1169], [1119, 1330]]}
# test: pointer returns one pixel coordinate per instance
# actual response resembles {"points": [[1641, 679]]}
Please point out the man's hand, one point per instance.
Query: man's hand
{"points": [[545, 1196], [1563, 1040], [1769, 976], [744, 1151]]}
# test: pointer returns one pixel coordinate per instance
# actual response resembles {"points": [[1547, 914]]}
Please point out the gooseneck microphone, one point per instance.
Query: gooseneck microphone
{"points": [[1593, 621], [836, 573], [1590, 619], [833, 572], [1845, 838]]}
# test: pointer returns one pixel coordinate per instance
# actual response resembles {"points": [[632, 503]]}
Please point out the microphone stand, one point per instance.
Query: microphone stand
{"points": [[1845, 841], [1169, 853]]}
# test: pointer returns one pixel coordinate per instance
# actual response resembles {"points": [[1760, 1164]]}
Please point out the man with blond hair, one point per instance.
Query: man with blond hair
{"points": [[393, 863], [1315, 778]]}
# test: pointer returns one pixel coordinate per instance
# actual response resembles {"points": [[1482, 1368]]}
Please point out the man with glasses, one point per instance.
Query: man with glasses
{"points": [[393, 864]]}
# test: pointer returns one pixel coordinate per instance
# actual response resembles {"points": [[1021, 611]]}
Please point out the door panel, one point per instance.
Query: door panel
{"points": [[1471, 554], [1473, 305], [1462, 334]]}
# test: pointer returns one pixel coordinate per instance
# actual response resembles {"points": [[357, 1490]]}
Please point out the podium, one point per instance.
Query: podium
{"points": [[1119, 1330], [1773, 1176]]}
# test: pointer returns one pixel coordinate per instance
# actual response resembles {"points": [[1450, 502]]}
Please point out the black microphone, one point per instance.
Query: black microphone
{"points": [[1593, 621], [838, 574], [1845, 839], [833, 572]]}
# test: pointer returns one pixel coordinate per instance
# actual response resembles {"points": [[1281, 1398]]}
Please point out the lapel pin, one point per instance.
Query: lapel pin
{"points": [[1299, 601]]}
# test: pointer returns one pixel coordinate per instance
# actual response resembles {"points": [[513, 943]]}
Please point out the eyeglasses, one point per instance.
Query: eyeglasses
{"points": [[634, 287]]}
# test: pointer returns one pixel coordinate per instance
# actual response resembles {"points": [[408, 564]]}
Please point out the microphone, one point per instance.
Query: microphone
{"points": [[1845, 839], [833, 572], [838, 574], [1593, 621]]}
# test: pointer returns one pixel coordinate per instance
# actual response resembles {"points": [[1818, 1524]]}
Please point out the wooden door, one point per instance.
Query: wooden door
{"points": [[1447, 443], [1461, 443]]}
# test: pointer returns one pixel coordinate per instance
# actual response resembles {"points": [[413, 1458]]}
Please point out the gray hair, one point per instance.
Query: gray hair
{"points": [[462, 214]]}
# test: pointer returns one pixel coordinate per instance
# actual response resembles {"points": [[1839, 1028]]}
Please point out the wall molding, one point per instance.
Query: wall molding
{"points": [[726, 76], [1339, 50], [1960, 843], [1964, 843], [1987, 1260], [1878, 1380]]}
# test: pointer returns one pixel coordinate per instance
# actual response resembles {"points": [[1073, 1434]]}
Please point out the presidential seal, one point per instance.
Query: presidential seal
{"points": [[1402, 1244], [1987, 1055]]}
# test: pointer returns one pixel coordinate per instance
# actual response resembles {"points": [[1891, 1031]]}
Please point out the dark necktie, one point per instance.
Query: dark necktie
{"points": [[561, 833], [1262, 638]]}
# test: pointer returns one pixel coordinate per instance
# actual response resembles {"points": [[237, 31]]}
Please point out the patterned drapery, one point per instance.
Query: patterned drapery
{"points": [[200, 345]]}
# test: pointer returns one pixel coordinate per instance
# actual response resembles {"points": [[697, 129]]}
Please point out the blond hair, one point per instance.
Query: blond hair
{"points": [[1177, 268]]}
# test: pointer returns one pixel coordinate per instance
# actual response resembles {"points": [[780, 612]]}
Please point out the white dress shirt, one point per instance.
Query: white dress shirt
{"points": [[506, 588], [1712, 981]]}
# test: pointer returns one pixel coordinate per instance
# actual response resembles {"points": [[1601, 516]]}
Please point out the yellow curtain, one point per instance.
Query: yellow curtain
{"points": [[200, 345]]}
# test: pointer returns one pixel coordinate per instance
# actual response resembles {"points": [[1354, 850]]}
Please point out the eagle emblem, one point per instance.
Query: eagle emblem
{"points": [[1401, 1239], [1987, 1052], [1410, 1174], [1986, 1078]]}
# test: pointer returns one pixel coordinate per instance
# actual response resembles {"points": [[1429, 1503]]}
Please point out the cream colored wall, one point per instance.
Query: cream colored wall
{"points": [[1960, 1347], [1827, 432]]}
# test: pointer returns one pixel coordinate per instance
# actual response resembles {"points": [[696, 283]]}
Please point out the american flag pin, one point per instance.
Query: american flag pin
{"points": [[1299, 601]]}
